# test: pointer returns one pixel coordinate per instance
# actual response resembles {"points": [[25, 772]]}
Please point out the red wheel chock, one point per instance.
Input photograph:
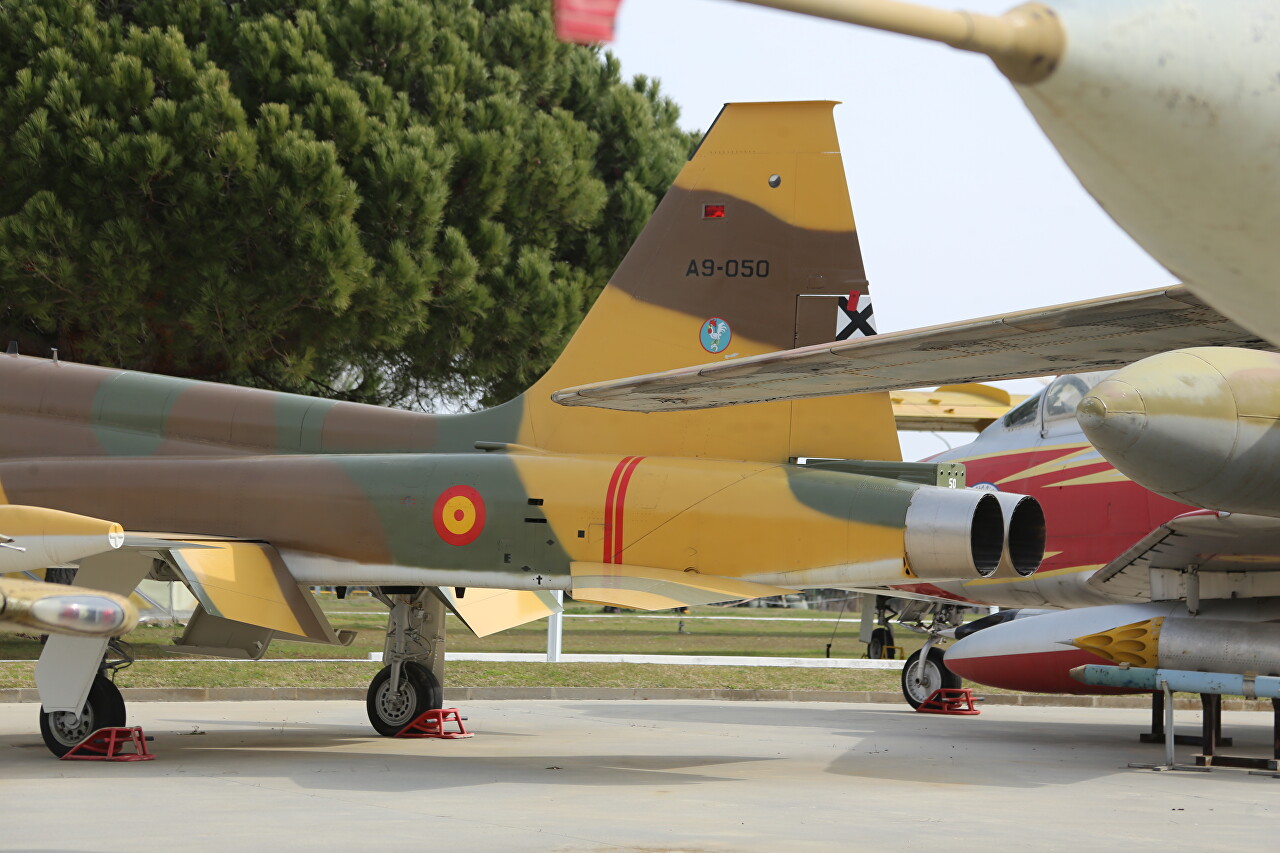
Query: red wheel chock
{"points": [[950, 700], [105, 745], [431, 724]]}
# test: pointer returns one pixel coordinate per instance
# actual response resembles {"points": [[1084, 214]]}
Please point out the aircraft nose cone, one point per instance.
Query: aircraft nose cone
{"points": [[1171, 422], [1113, 416], [1091, 412]]}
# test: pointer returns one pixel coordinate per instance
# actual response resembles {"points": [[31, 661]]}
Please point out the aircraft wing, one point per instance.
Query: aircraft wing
{"points": [[1237, 556], [1096, 334], [952, 408]]}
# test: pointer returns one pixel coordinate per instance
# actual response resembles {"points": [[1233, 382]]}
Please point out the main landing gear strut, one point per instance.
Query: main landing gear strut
{"points": [[411, 682]]}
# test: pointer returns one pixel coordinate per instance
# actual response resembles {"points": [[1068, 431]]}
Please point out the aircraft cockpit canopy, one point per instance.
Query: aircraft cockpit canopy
{"points": [[1024, 413], [1054, 407]]}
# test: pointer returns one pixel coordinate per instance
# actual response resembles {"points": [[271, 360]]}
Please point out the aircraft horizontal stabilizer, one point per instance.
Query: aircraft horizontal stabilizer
{"points": [[488, 611], [248, 582], [969, 407], [1095, 334], [645, 588]]}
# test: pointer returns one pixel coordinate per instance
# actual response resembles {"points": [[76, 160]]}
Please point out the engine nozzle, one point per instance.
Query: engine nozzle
{"points": [[954, 533]]}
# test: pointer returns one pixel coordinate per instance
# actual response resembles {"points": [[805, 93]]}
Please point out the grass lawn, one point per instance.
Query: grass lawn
{"points": [[769, 632]]}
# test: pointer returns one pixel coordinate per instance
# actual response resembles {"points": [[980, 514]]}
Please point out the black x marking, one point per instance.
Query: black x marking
{"points": [[859, 321]]}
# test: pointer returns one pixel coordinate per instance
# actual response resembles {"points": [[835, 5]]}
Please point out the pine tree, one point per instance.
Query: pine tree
{"points": [[379, 200]]}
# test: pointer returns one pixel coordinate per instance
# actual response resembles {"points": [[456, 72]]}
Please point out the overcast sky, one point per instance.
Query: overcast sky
{"points": [[963, 207]]}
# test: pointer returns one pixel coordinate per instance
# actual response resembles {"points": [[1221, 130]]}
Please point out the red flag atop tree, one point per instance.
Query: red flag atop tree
{"points": [[586, 21]]}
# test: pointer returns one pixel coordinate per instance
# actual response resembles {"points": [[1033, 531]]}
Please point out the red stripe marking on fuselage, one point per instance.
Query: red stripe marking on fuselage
{"points": [[609, 498], [621, 507]]}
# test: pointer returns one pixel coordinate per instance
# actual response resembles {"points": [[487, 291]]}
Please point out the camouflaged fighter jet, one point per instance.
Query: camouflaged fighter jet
{"points": [[251, 497]]}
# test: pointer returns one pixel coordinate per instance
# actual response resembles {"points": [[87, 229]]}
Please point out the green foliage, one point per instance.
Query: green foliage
{"points": [[378, 200]]}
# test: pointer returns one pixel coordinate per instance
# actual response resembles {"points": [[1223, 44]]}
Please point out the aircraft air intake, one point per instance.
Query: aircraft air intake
{"points": [[954, 534]]}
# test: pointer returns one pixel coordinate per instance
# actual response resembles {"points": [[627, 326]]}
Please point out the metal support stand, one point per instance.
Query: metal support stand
{"points": [[1275, 742], [1210, 738], [1212, 705], [1166, 727], [1156, 735], [555, 629]]}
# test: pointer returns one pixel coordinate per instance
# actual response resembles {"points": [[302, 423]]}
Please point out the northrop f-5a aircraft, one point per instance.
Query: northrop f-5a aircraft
{"points": [[250, 497]]}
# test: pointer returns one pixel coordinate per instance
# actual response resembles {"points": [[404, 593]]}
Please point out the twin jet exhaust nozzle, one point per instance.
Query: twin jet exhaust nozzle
{"points": [[962, 533]]}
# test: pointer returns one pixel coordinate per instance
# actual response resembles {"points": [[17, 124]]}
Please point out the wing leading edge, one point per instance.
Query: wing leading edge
{"points": [[1095, 334]]}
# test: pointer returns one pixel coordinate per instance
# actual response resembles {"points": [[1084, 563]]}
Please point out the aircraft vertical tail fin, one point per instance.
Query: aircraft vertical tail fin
{"points": [[752, 250]]}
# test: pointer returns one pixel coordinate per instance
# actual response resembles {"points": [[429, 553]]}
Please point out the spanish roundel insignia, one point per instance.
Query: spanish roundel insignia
{"points": [[459, 515]]}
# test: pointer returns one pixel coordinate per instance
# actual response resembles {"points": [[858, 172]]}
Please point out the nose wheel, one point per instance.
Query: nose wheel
{"points": [[104, 708], [924, 673]]}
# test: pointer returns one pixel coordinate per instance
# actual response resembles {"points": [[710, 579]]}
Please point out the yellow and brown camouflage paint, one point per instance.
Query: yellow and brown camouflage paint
{"points": [[709, 492]]}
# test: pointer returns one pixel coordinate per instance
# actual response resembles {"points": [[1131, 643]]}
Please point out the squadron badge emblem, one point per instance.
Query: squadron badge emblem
{"points": [[716, 335]]}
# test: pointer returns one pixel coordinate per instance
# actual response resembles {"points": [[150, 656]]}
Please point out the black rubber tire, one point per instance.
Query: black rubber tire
{"points": [[420, 691], [936, 675], [103, 709], [881, 638]]}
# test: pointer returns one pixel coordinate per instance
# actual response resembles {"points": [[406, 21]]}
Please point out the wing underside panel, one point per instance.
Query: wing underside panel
{"points": [[1216, 555], [646, 588], [488, 611], [248, 582]]}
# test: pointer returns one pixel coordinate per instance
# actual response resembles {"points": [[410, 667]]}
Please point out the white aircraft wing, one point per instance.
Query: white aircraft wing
{"points": [[1096, 334], [1234, 556]]}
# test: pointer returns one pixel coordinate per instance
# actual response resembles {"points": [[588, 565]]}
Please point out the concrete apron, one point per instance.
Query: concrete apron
{"points": [[454, 695]]}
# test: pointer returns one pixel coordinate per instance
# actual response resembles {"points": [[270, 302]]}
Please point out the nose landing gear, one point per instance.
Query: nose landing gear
{"points": [[926, 670], [924, 674]]}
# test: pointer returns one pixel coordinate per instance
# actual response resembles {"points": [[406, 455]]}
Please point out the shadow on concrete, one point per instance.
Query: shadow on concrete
{"points": [[316, 760]]}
